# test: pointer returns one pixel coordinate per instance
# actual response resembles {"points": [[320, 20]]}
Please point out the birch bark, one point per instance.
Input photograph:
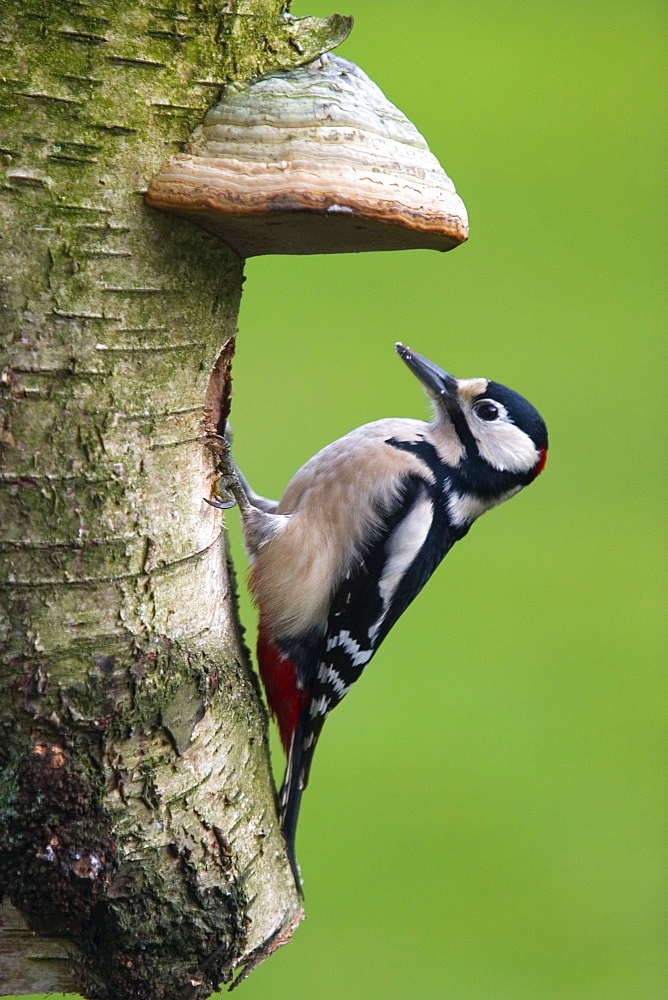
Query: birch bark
{"points": [[140, 854]]}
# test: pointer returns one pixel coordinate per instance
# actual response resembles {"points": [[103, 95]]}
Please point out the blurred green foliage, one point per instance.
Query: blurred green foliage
{"points": [[486, 818]]}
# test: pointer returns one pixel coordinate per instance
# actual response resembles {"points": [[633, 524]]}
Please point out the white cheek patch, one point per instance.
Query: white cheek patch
{"points": [[503, 445]]}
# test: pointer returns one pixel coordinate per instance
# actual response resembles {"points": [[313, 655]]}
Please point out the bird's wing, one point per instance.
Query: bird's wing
{"points": [[380, 586], [378, 590]]}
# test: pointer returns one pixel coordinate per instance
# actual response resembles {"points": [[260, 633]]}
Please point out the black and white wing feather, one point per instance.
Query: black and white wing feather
{"points": [[367, 603]]}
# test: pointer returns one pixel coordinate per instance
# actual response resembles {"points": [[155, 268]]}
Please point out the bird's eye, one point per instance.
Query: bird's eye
{"points": [[487, 410]]}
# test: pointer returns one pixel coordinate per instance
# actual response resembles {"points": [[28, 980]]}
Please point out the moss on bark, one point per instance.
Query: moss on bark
{"points": [[136, 803]]}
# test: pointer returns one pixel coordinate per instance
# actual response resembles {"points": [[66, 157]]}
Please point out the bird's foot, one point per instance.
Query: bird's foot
{"points": [[227, 490], [224, 494]]}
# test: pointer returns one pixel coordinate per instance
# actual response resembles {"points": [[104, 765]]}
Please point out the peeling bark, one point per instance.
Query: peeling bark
{"points": [[140, 853]]}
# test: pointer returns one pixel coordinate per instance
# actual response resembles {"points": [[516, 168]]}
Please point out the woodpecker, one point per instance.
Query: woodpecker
{"points": [[358, 532]]}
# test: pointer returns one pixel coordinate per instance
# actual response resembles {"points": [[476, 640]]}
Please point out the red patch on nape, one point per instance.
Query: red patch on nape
{"points": [[279, 676], [540, 465]]}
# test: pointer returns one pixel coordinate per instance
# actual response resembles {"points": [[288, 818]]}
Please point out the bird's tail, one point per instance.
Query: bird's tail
{"points": [[291, 794], [302, 746]]}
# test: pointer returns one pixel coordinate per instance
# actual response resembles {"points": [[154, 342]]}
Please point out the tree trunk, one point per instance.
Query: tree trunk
{"points": [[140, 854]]}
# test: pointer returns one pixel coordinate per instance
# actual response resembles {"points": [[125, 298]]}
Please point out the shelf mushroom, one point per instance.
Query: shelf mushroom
{"points": [[312, 160]]}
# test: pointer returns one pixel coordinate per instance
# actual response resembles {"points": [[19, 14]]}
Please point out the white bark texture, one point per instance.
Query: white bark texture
{"points": [[140, 855]]}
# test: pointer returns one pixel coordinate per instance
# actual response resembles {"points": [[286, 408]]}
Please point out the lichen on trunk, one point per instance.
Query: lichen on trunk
{"points": [[139, 838]]}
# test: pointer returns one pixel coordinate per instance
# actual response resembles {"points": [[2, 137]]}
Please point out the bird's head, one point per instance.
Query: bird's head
{"points": [[482, 425]]}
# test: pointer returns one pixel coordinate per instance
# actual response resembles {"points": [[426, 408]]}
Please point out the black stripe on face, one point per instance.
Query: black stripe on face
{"points": [[463, 430], [472, 475]]}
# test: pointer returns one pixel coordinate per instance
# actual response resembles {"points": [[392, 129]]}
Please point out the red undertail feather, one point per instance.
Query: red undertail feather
{"points": [[541, 461], [279, 676]]}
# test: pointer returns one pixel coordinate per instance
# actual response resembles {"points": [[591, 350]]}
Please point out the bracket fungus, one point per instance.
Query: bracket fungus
{"points": [[312, 160]]}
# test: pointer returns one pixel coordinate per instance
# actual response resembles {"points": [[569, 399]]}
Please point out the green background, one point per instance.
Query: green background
{"points": [[486, 816]]}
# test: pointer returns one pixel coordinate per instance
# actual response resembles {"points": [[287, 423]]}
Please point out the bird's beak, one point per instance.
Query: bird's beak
{"points": [[437, 382]]}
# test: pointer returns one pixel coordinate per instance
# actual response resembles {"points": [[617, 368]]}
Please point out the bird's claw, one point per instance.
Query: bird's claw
{"points": [[223, 491], [219, 505], [227, 486], [230, 488]]}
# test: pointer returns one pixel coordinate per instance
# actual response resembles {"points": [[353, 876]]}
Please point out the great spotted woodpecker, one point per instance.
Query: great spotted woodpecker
{"points": [[358, 532]]}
